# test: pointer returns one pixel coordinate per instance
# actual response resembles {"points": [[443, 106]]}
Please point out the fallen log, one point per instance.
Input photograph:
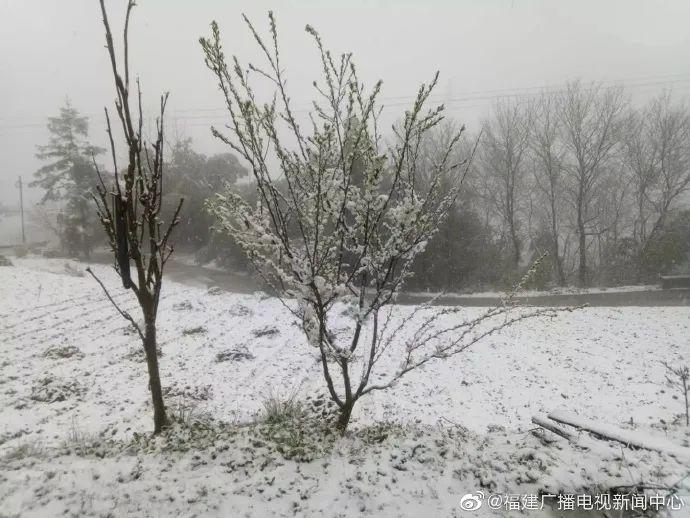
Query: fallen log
{"points": [[552, 427], [627, 437]]}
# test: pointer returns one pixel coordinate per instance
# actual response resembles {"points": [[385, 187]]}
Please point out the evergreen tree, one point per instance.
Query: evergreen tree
{"points": [[198, 178], [68, 176]]}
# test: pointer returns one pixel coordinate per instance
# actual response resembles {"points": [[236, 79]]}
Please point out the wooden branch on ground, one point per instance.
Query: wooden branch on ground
{"points": [[609, 432], [552, 427]]}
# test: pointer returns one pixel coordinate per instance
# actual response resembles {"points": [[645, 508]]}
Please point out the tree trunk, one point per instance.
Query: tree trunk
{"points": [[160, 419], [517, 256], [557, 263], [85, 244], [344, 417], [582, 268], [582, 237], [514, 238]]}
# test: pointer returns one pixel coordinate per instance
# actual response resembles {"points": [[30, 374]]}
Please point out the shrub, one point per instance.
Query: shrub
{"points": [[50, 389], [60, 352]]}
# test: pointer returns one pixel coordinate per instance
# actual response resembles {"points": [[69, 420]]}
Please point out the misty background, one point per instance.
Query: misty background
{"points": [[53, 49], [519, 75]]}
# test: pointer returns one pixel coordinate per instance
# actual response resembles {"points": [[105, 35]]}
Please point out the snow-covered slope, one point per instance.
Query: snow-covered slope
{"points": [[70, 365]]}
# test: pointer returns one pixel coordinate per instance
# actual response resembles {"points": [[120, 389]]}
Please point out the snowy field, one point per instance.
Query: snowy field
{"points": [[74, 401]]}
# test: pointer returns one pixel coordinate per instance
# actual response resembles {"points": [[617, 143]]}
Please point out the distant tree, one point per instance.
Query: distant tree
{"points": [[668, 251], [344, 232], [657, 156], [220, 170], [502, 164], [454, 257], [461, 255], [591, 121], [547, 153], [130, 211], [620, 262], [613, 223], [69, 177], [183, 179], [197, 177], [640, 156]]}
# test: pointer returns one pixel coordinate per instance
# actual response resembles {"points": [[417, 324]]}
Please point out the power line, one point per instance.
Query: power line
{"points": [[470, 96], [451, 103]]}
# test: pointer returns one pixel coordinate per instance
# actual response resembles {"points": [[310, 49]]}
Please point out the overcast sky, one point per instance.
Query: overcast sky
{"points": [[50, 49]]}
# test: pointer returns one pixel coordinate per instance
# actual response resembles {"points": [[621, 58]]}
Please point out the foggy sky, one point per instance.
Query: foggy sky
{"points": [[50, 49]]}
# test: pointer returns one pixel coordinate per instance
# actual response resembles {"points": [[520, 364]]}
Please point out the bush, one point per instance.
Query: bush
{"points": [[194, 330], [239, 354], [298, 430], [266, 331], [189, 392], [79, 441], [669, 251], [50, 389], [59, 352], [137, 353], [460, 256], [23, 451], [278, 410]]}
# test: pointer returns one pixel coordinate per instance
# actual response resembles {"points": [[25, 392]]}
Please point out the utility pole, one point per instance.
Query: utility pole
{"points": [[21, 207]]}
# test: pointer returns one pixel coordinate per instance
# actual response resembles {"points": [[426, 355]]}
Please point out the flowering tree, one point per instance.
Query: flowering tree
{"points": [[339, 224]]}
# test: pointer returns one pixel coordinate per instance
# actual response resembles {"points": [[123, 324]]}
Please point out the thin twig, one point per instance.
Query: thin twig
{"points": [[121, 311]]}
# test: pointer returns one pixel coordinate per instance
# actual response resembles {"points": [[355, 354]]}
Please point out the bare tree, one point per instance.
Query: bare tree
{"points": [[337, 229], [640, 157], [502, 159], [668, 129], [130, 213], [447, 257], [548, 152], [591, 119], [613, 221]]}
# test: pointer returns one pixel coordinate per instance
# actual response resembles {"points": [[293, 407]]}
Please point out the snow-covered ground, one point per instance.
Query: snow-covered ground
{"points": [[72, 373]]}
